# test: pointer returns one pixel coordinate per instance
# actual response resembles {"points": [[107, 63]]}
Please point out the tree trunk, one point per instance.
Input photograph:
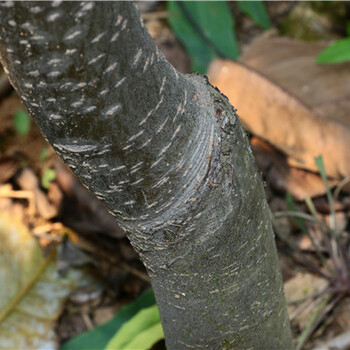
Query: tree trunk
{"points": [[167, 155]]}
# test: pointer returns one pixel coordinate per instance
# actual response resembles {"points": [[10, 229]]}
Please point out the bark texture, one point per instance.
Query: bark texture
{"points": [[166, 154]]}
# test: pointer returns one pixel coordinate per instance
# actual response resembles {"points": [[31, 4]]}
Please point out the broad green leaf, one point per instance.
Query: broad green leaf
{"points": [[206, 29], [139, 333], [146, 339], [256, 11], [32, 291], [48, 176], [99, 337], [336, 53], [21, 122]]}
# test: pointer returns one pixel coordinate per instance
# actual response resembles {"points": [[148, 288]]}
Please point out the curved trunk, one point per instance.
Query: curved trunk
{"points": [[166, 154]]}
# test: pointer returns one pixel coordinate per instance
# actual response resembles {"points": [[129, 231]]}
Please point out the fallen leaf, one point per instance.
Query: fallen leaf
{"points": [[284, 97], [301, 288], [32, 292], [283, 178]]}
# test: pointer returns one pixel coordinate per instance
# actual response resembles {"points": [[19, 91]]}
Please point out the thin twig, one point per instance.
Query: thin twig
{"points": [[313, 211], [303, 260], [135, 272], [87, 320], [340, 186], [29, 195], [313, 296], [279, 214], [312, 321], [317, 318], [16, 194], [47, 228]]}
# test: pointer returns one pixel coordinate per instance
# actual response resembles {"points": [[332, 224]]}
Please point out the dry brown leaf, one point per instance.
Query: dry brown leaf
{"points": [[283, 178], [303, 287], [283, 97], [32, 290]]}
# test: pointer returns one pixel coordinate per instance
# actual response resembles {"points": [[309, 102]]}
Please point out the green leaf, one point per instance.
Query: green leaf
{"points": [[256, 11], [336, 53], [148, 338], [139, 333], [21, 122], [206, 29], [99, 337], [44, 154], [48, 176]]}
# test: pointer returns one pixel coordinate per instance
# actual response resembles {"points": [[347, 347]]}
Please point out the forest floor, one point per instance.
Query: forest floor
{"points": [[38, 187]]}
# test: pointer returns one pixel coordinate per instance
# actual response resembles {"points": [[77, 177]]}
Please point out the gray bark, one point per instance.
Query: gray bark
{"points": [[167, 155]]}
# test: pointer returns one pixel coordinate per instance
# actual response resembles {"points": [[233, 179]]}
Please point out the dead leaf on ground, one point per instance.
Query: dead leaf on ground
{"points": [[282, 96], [282, 177], [32, 292], [338, 334], [302, 287]]}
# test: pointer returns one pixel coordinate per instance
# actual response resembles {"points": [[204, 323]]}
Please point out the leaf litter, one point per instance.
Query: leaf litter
{"points": [[32, 290], [75, 195], [286, 99]]}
